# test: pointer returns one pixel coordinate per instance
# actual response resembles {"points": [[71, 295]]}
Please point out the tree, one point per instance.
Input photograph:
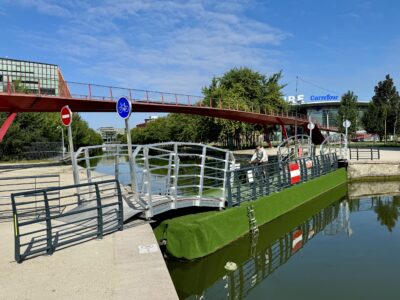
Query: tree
{"points": [[348, 111], [244, 89], [383, 110], [239, 88], [28, 128]]}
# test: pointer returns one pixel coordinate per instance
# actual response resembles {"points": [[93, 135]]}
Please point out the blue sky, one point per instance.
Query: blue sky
{"points": [[179, 46]]}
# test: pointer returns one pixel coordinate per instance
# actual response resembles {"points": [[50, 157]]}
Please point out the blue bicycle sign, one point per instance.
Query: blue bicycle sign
{"points": [[124, 108]]}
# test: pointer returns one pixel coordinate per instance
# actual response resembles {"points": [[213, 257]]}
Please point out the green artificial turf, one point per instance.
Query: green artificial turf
{"points": [[198, 235]]}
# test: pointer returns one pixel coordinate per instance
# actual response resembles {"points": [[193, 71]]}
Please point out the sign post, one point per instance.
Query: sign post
{"points": [[66, 119], [124, 110], [310, 127], [346, 125]]}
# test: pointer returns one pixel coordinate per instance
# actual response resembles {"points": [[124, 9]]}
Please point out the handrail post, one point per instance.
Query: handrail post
{"points": [[49, 237], [90, 91], [120, 207], [17, 239], [111, 94], [224, 184], [116, 164], [229, 188], [357, 152], [372, 157], [39, 87], [201, 182], [99, 213]]}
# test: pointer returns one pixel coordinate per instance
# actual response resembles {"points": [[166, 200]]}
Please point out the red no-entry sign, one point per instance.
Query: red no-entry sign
{"points": [[66, 116]]}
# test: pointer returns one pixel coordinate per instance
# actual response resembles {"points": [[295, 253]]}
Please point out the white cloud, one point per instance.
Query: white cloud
{"points": [[174, 45]]}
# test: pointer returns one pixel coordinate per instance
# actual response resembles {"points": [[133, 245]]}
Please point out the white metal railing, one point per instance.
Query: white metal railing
{"points": [[334, 143], [297, 146], [163, 176], [180, 174]]}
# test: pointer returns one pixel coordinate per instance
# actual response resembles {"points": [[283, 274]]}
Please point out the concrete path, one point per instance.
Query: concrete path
{"points": [[111, 268], [388, 154]]}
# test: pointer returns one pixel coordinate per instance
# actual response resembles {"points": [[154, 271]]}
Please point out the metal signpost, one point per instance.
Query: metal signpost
{"points": [[124, 110], [346, 125], [66, 119], [310, 127]]}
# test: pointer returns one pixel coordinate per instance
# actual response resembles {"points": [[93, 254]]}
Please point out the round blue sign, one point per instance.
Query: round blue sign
{"points": [[124, 108]]}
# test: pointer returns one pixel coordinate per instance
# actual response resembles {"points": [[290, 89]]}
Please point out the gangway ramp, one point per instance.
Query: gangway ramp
{"points": [[163, 176], [87, 210]]}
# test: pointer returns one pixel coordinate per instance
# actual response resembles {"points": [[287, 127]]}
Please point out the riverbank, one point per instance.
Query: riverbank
{"points": [[111, 268], [193, 236]]}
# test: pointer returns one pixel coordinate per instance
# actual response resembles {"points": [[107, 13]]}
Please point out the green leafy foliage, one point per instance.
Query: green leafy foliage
{"points": [[43, 127], [348, 111], [239, 88], [383, 111]]}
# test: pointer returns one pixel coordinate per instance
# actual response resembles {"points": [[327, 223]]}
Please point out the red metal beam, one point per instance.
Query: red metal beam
{"points": [[7, 123], [34, 103]]}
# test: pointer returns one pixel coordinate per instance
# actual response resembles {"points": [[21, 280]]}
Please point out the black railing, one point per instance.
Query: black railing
{"points": [[15, 184], [251, 183], [364, 153], [45, 221]]}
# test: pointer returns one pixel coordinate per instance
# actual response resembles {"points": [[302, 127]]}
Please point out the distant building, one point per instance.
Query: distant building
{"points": [[29, 76], [110, 134], [146, 121], [324, 108]]}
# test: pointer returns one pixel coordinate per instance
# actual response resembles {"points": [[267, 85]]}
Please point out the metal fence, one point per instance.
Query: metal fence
{"points": [[174, 175], [364, 153], [248, 184], [48, 151], [294, 147], [16, 184], [334, 143], [50, 219], [96, 163]]}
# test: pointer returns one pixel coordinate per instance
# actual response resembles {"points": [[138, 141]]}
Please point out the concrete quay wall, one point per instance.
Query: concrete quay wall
{"points": [[373, 169]]}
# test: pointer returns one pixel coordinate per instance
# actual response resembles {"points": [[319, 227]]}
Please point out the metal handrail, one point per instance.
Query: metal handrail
{"points": [[251, 183], [35, 233]]}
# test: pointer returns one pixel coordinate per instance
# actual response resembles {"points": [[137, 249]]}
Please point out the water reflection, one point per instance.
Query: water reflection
{"points": [[278, 242], [257, 259]]}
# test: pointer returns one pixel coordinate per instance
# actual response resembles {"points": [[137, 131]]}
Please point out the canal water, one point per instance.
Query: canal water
{"points": [[349, 249]]}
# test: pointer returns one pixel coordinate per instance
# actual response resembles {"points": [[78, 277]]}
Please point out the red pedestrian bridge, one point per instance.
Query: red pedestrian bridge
{"points": [[86, 97]]}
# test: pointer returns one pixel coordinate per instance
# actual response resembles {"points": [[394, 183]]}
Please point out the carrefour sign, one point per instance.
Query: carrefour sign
{"points": [[324, 98], [313, 98]]}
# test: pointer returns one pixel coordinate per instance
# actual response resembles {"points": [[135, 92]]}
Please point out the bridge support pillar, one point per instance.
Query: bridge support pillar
{"points": [[6, 125]]}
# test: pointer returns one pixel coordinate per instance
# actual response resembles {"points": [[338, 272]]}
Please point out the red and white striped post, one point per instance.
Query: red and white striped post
{"points": [[294, 173]]}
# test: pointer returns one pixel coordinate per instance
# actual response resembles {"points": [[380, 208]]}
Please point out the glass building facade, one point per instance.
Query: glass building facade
{"points": [[28, 76], [326, 114]]}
